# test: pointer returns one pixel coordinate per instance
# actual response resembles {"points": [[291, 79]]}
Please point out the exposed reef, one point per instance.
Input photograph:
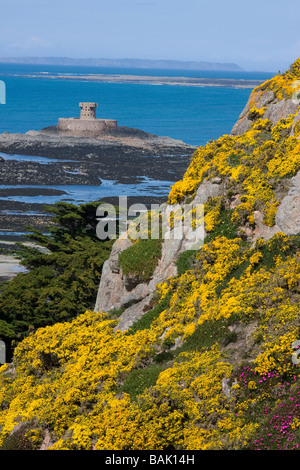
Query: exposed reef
{"points": [[123, 155], [145, 80], [117, 155]]}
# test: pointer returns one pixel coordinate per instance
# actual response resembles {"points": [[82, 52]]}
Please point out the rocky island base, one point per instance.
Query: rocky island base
{"points": [[123, 156]]}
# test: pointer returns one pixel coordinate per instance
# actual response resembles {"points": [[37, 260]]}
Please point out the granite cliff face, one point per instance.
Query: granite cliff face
{"points": [[276, 99], [118, 291], [267, 107], [276, 109]]}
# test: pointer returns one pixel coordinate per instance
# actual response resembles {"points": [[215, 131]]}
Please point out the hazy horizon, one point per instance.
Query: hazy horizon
{"points": [[125, 62], [259, 36]]}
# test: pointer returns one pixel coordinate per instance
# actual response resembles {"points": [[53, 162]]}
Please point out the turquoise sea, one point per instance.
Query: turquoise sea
{"points": [[192, 114]]}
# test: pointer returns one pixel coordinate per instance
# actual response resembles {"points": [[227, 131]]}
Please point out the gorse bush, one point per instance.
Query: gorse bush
{"points": [[251, 165], [82, 378]]}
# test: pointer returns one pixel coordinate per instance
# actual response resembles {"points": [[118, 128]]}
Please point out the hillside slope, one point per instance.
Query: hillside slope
{"points": [[209, 362]]}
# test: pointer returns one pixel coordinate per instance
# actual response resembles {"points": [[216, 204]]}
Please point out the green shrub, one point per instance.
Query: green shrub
{"points": [[141, 259], [24, 437], [226, 228], [185, 261], [140, 379], [63, 276]]}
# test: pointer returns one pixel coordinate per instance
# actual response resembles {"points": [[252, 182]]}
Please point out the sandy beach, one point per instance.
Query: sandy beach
{"points": [[9, 267]]}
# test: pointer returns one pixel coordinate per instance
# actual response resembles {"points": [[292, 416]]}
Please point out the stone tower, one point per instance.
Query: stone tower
{"points": [[87, 125], [88, 110]]}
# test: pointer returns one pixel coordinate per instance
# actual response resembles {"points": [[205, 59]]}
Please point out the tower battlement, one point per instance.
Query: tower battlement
{"points": [[88, 110]]}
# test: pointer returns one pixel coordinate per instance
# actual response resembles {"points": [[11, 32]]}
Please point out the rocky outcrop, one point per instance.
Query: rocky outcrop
{"points": [[111, 290], [122, 157], [51, 143], [261, 230], [209, 188], [276, 110], [126, 156], [287, 219], [116, 291], [288, 214], [15, 172]]}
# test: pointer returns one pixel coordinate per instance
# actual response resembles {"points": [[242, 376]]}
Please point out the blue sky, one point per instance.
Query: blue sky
{"points": [[256, 34]]}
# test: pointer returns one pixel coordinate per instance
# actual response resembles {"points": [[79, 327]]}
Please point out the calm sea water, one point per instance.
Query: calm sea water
{"points": [[192, 114]]}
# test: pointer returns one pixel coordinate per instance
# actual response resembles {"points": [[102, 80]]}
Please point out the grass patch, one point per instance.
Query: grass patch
{"points": [[185, 261], [140, 379], [277, 245], [205, 336], [141, 259], [234, 159], [226, 228]]}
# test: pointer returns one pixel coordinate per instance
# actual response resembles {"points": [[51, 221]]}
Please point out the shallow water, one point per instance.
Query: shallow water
{"points": [[84, 193], [192, 114], [33, 158]]}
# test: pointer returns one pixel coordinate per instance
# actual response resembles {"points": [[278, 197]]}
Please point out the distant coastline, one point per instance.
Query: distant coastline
{"points": [[149, 80], [125, 63]]}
